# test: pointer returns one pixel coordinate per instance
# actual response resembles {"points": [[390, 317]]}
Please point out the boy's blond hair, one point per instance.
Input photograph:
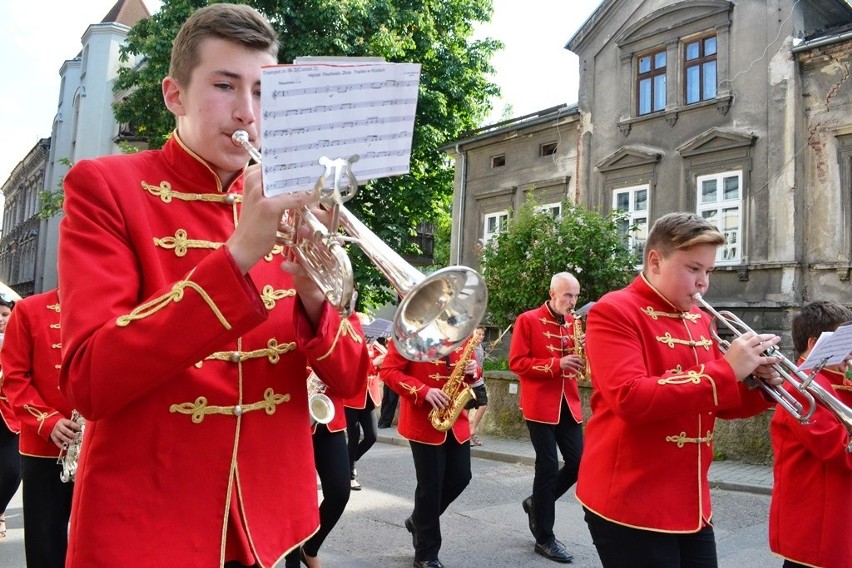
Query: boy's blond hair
{"points": [[680, 231], [237, 23]]}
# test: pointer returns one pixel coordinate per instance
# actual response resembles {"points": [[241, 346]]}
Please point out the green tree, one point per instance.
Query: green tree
{"points": [[454, 96], [518, 263]]}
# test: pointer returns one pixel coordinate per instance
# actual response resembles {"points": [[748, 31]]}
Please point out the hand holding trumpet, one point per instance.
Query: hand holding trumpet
{"points": [[747, 355]]}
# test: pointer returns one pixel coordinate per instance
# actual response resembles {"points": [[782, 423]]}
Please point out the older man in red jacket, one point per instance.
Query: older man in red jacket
{"points": [[542, 354]]}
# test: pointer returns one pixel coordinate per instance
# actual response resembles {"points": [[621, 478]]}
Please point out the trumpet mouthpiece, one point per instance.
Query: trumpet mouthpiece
{"points": [[240, 137]]}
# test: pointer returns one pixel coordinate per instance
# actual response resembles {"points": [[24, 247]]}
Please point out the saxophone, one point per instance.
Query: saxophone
{"points": [[70, 453], [579, 351], [459, 391]]}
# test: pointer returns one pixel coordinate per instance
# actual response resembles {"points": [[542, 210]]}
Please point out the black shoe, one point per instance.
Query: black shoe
{"points": [[382, 425], [554, 550], [409, 525], [428, 564], [527, 504]]}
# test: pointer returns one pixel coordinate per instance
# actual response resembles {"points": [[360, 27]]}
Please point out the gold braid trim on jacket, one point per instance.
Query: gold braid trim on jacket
{"points": [[174, 295], [345, 328], [181, 243], [199, 409]]}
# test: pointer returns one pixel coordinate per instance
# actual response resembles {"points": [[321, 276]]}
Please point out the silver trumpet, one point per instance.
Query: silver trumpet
{"points": [[811, 391], [437, 313], [320, 407]]}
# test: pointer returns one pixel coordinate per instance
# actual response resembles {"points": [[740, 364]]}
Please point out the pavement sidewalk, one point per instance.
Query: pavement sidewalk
{"points": [[728, 474]]}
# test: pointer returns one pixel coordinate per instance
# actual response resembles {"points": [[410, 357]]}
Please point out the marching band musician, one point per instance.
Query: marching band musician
{"points": [[184, 342], [542, 355], [331, 460], [441, 459], [30, 359], [360, 415], [10, 428], [659, 382], [812, 492]]}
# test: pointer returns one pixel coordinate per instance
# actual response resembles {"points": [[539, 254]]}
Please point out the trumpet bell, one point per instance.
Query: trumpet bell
{"points": [[320, 408], [438, 314]]}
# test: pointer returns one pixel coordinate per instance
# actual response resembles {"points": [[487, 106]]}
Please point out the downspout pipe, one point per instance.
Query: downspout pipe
{"points": [[462, 201]]}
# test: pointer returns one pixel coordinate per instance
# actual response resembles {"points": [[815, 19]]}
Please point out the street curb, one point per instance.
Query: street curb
{"points": [[715, 479], [475, 451]]}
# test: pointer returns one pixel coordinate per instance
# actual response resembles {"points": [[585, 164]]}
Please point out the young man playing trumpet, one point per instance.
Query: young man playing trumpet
{"points": [[185, 345], [660, 381]]}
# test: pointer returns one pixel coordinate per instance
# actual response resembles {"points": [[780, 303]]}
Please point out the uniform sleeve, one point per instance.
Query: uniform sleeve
{"points": [[824, 436], [337, 351], [622, 374], [117, 346], [395, 373], [521, 359], [16, 358]]}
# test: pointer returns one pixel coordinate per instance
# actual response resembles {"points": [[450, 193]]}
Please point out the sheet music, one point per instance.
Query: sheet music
{"points": [[830, 348], [313, 110]]}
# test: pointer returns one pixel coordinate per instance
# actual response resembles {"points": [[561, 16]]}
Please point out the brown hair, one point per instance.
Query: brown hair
{"points": [[814, 318], [237, 23], [679, 231]]}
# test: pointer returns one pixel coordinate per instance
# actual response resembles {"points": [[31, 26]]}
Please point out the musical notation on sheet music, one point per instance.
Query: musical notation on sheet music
{"points": [[338, 111]]}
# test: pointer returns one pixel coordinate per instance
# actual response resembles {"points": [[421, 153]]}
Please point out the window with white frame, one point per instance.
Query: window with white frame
{"points": [[633, 202], [495, 223], [554, 209], [720, 198]]}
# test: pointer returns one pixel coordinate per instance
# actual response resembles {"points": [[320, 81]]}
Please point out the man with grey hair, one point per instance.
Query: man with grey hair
{"points": [[542, 354]]}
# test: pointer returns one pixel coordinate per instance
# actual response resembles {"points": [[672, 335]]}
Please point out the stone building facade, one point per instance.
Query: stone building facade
{"points": [[19, 245], [83, 127], [736, 110]]}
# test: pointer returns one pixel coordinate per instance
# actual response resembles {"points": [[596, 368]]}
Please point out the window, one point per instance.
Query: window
{"points": [[554, 209], [548, 149], [700, 70], [495, 223], [651, 82], [720, 202], [633, 202], [498, 161]]}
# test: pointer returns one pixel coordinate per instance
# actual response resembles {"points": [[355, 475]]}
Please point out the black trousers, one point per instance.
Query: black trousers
{"points": [[390, 400], [619, 546], [332, 463], [10, 466], [358, 421], [47, 508], [550, 482], [443, 472]]}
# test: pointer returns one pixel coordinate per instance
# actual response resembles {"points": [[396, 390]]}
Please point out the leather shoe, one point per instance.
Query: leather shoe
{"points": [[409, 525], [435, 563], [554, 550], [527, 504]]}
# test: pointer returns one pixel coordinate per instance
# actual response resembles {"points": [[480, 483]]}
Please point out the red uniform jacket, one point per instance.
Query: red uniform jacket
{"points": [[374, 386], [538, 342], [31, 357], [812, 495], [412, 381], [7, 413], [191, 375], [659, 383]]}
